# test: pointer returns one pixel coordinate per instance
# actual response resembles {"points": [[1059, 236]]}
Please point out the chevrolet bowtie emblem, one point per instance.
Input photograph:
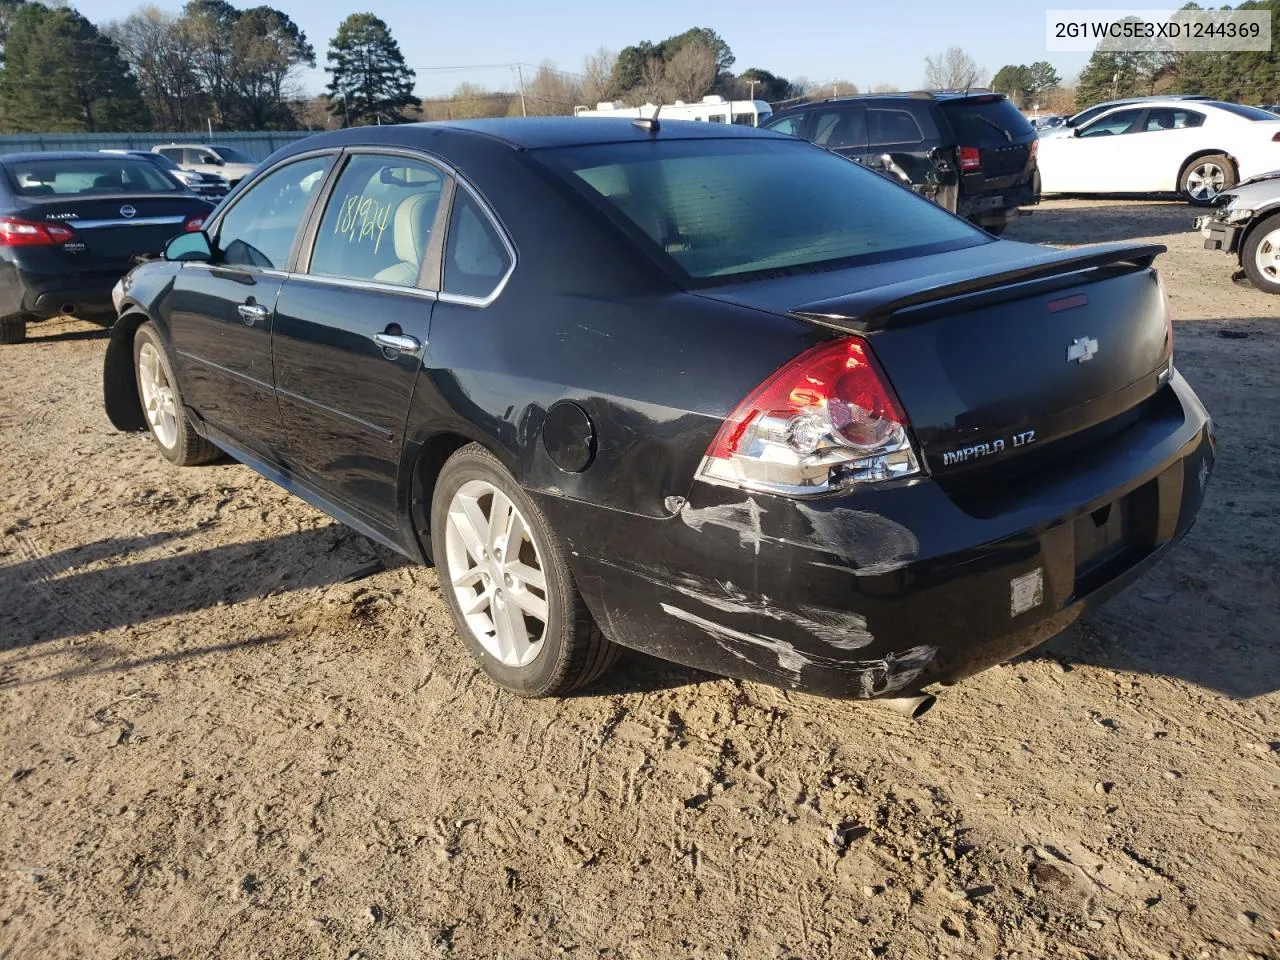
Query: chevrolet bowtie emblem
{"points": [[1082, 349]]}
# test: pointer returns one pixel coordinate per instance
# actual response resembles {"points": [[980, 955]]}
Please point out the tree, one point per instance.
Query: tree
{"points": [[208, 26], [703, 36], [8, 9], [883, 88], [758, 84], [266, 48], [1041, 78], [62, 74], [370, 80], [597, 77], [953, 70], [690, 72], [159, 53], [1014, 81], [550, 92]]}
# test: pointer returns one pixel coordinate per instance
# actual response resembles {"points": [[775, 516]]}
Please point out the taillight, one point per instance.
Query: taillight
{"points": [[1168, 317], [15, 232], [825, 420], [1035, 148], [193, 225], [970, 159], [1275, 138]]}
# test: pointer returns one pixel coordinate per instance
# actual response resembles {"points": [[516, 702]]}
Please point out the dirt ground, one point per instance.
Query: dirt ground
{"points": [[232, 728]]}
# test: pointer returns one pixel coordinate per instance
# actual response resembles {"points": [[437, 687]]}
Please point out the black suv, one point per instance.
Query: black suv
{"points": [[972, 153]]}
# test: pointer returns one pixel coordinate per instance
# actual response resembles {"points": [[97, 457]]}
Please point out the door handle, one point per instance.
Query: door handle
{"points": [[251, 313], [394, 345]]}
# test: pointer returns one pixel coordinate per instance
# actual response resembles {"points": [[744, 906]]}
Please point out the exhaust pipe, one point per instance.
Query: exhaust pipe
{"points": [[913, 707], [67, 309]]}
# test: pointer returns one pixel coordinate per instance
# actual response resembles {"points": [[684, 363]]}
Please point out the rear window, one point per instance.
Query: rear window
{"points": [[87, 176], [1249, 113], [986, 123], [728, 208], [232, 155]]}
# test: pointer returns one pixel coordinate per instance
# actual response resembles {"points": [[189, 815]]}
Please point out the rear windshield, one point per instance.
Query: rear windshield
{"points": [[232, 155], [1249, 113], [984, 123], [87, 176], [721, 208]]}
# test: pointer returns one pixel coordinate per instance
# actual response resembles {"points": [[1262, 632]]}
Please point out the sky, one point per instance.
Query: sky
{"points": [[855, 40]]}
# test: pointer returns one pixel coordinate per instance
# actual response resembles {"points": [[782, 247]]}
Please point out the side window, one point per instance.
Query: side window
{"points": [[173, 153], [379, 221], [191, 157], [842, 127], [1186, 119], [475, 259], [259, 230], [789, 125], [1113, 124], [891, 126]]}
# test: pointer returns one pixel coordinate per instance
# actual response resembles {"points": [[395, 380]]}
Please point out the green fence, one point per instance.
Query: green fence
{"points": [[258, 144]]}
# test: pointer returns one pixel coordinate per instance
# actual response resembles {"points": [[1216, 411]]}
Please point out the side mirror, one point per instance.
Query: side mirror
{"points": [[190, 246]]}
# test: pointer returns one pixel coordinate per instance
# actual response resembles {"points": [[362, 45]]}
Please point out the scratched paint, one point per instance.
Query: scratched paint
{"points": [[873, 678], [742, 518], [870, 542]]}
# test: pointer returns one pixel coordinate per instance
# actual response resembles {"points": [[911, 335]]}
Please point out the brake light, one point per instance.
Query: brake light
{"points": [[970, 159], [193, 225], [1168, 318], [1035, 148], [15, 232], [825, 420], [1275, 138]]}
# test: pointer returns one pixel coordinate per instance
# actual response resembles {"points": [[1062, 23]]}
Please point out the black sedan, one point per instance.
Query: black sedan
{"points": [[71, 225], [699, 390]]}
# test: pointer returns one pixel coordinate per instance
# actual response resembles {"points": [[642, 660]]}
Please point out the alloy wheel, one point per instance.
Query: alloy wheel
{"points": [[1267, 256], [158, 399], [1205, 181], [496, 573]]}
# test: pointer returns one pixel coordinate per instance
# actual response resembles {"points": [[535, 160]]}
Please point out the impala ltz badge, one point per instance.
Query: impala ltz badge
{"points": [[127, 211], [1082, 349]]}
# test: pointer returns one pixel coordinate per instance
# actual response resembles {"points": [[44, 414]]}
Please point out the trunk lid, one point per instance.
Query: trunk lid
{"points": [[111, 230], [999, 356]]}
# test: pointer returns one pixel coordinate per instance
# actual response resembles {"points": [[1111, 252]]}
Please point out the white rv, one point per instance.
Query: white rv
{"points": [[712, 109]]}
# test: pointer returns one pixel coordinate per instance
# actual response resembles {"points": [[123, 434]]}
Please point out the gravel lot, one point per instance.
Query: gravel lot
{"points": [[232, 728]]}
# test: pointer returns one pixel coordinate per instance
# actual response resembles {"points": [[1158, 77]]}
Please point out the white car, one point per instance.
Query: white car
{"points": [[227, 162], [1196, 148]]}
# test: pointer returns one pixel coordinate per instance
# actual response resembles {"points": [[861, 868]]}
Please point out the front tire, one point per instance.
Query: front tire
{"points": [[13, 328], [506, 581], [1260, 255], [1206, 177], [162, 405]]}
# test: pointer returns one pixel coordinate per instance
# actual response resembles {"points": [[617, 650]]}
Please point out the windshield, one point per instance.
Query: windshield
{"points": [[232, 155], [1249, 113], [984, 123], [721, 208], [82, 176]]}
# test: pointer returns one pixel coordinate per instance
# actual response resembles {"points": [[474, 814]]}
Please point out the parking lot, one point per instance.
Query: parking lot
{"points": [[232, 727]]}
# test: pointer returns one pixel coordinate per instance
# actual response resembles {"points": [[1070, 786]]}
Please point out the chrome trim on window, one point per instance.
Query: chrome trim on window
{"points": [[135, 222], [496, 292], [352, 282]]}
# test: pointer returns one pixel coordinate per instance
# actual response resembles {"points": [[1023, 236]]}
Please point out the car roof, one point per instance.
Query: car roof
{"points": [[54, 155], [532, 133]]}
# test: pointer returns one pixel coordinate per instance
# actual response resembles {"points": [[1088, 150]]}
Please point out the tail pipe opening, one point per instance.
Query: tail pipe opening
{"points": [[913, 707]]}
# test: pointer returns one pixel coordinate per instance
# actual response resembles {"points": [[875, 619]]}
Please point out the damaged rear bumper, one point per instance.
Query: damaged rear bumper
{"points": [[881, 592]]}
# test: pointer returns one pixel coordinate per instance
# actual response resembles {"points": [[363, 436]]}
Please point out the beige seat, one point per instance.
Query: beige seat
{"points": [[412, 230]]}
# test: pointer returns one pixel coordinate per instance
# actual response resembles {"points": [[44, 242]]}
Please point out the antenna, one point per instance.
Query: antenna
{"points": [[649, 123]]}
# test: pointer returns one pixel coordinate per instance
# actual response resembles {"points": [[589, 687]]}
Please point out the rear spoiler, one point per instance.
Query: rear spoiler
{"points": [[875, 309]]}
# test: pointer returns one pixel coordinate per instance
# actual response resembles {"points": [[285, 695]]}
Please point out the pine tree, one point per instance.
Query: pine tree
{"points": [[62, 74], [370, 80]]}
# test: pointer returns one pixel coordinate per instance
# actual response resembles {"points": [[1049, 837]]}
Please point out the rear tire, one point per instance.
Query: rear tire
{"points": [[1260, 255], [1205, 177], [524, 620], [162, 405], [13, 328]]}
